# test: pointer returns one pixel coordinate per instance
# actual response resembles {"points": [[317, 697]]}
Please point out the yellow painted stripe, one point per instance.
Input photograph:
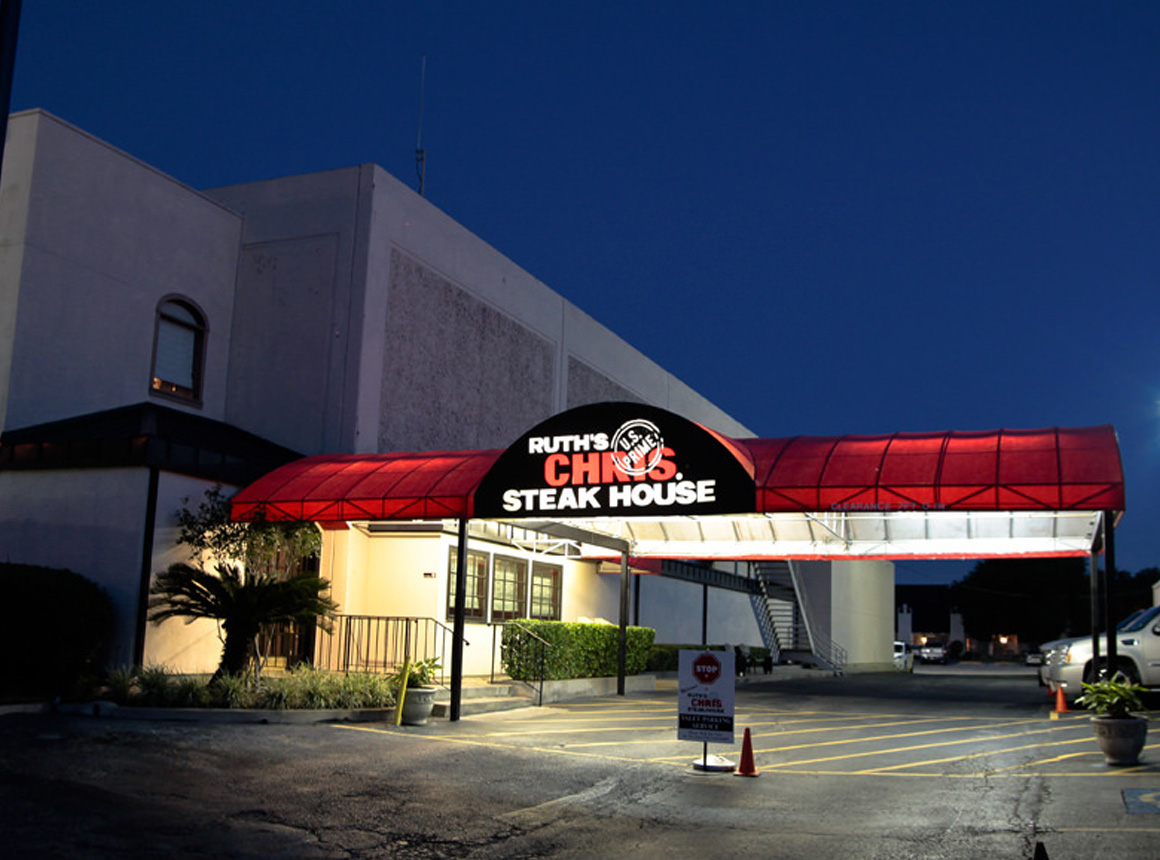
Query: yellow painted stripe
{"points": [[968, 757], [894, 750], [475, 743]]}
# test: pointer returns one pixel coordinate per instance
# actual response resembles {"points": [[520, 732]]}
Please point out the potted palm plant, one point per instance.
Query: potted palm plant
{"points": [[1120, 730], [414, 687]]}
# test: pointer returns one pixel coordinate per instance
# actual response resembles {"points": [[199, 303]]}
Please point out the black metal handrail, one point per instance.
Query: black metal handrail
{"points": [[382, 644], [544, 644]]}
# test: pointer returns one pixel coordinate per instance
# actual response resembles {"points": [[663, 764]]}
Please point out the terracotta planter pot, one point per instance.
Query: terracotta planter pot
{"points": [[1120, 740], [418, 704]]}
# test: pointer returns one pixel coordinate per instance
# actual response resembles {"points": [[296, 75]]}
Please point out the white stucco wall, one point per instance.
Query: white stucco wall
{"points": [[89, 521], [104, 238], [175, 644], [672, 607], [410, 332]]}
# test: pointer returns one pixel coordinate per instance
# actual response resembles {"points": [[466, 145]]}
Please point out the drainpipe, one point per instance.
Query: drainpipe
{"points": [[146, 574], [9, 27]]}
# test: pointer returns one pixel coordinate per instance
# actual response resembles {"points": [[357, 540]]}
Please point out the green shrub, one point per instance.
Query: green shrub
{"points": [[120, 685], [63, 623], [154, 687], [576, 650], [303, 687], [667, 657], [231, 691]]}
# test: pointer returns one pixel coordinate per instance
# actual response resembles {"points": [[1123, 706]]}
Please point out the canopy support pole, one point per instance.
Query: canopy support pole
{"points": [[1110, 589], [459, 623], [622, 655], [1096, 614]]}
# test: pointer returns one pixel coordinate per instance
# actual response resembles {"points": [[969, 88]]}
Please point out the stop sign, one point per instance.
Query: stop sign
{"points": [[706, 668]]}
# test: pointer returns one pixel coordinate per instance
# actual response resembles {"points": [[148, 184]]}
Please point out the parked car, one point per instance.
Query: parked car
{"points": [[1137, 654], [1048, 651], [903, 657], [933, 651], [1033, 658]]}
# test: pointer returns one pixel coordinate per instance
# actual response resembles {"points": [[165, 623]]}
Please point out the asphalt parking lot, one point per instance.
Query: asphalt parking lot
{"points": [[956, 763]]}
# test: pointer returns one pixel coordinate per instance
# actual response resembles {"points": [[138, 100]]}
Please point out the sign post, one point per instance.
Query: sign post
{"points": [[706, 703]]}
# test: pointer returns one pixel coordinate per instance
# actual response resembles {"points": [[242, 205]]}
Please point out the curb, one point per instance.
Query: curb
{"points": [[110, 710]]}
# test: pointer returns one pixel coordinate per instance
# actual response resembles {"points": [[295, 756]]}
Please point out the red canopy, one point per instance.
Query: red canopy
{"points": [[1057, 468], [1062, 469], [335, 488]]}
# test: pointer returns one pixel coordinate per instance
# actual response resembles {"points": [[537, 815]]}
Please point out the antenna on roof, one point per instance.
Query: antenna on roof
{"points": [[420, 153]]}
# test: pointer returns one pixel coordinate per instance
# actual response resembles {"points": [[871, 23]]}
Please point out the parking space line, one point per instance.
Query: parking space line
{"points": [[918, 734], [967, 757], [615, 730], [889, 751], [478, 743]]}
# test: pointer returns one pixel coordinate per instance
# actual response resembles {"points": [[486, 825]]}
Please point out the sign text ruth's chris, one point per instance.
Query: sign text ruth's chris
{"points": [[632, 468]]}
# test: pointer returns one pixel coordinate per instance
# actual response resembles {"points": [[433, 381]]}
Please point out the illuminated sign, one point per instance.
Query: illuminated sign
{"points": [[615, 459]]}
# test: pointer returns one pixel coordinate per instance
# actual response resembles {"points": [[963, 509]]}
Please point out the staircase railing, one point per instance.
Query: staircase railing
{"points": [[825, 650], [544, 644], [790, 625], [382, 644], [765, 625]]}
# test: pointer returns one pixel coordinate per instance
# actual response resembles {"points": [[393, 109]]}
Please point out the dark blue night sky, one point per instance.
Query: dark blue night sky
{"points": [[826, 217]]}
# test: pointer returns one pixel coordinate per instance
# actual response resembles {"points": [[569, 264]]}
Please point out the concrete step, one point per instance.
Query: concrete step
{"points": [[484, 698]]}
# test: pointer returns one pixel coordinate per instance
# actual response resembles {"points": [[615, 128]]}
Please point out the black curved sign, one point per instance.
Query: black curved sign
{"points": [[615, 460]]}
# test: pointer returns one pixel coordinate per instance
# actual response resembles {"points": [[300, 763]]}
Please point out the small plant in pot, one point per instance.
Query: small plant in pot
{"points": [[414, 690], [1120, 731]]}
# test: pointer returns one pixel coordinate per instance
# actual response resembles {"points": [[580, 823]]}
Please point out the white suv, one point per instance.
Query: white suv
{"points": [[1137, 654]]}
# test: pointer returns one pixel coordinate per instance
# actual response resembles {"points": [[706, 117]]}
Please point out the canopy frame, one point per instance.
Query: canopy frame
{"points": [[1003, 493]]}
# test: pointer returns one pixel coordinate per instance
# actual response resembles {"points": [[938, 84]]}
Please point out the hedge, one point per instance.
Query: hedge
{"points": [[577, 650], [58, 628], [666, 658]]}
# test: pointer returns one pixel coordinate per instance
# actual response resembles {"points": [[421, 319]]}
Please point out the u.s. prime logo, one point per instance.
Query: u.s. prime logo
{"points": [[637, 447]]}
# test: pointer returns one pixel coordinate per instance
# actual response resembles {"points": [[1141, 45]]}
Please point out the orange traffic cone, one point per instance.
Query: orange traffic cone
{"points": [[746, 768], [1060, 700]]}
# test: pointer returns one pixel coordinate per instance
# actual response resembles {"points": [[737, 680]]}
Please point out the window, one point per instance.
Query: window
{"points": [[178, 350], [545, 592], [476, 603], [509, 588]]}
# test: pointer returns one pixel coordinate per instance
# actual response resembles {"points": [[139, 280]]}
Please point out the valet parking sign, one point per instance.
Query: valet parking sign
{"points": [[705, 706]]}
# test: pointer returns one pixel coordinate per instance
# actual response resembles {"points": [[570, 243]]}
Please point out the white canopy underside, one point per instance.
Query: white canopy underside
{"points": [[845, 534]]}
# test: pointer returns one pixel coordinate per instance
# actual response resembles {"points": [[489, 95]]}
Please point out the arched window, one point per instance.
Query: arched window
{"points": [[178, 350]]}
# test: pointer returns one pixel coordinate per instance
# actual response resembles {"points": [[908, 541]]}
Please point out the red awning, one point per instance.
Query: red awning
{"points": [[1062, 469], [332, 488], [1057, 468]]}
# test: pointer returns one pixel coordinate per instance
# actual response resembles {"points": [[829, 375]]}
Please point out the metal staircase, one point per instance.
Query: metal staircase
{"points": [[784, 620]]}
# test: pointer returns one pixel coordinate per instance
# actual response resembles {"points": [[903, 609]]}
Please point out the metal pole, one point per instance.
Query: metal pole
{"points": [[1094, 589], [1110, 589], [704, 615], [9, 27], [622, 656], [459, 623]]}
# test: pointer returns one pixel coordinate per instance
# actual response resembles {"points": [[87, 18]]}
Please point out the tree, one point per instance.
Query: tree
{"points": [[276, 581], [242, 601], [1037, 599], [258, 544]]}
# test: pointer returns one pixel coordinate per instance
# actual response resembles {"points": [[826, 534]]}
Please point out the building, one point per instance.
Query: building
{"points": [[157, 340]]}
